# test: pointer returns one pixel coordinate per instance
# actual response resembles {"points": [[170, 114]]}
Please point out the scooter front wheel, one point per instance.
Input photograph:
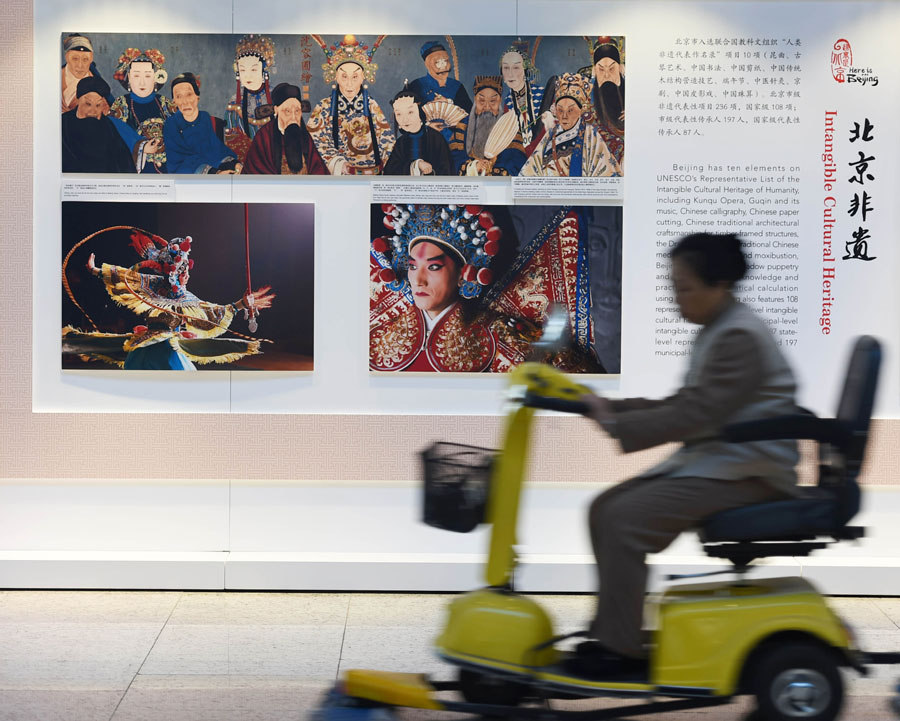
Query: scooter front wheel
{"points": [[798, 681], [482, 688]]}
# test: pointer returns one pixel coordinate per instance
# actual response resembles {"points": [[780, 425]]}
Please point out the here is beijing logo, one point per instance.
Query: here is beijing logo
{"points": [[843, 70]]}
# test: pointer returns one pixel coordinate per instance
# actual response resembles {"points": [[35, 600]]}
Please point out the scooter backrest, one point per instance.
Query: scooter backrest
{"points": [[858, 396], [839, 470]]}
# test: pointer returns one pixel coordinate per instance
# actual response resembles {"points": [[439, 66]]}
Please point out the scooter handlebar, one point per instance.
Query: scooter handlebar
{"points": [[549, 403]]}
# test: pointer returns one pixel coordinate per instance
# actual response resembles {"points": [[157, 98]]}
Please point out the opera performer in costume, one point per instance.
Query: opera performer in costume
{"points": [[419, 150], [350, 131], [285, 146], [180, 330], [79, 56], [522, 95], [96, 143], [608, 96], [426, 279], [142, 74], [481, 143], [250, 108], [444, 99], [573, 147], [192, 143]]}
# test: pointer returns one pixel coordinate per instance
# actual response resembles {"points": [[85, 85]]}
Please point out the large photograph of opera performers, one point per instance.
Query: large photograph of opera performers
{"points": [[187, 286], [343, 105], [467, 288]]}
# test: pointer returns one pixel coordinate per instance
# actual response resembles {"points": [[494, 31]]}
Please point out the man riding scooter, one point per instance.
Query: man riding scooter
{"points": [[736, 373], [772, 638]]}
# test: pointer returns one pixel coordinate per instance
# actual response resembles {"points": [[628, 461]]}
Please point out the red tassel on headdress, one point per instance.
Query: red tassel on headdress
{"points": [[140, 242]]}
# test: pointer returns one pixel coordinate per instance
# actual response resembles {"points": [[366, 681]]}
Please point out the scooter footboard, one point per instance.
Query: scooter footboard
{"points": [[393, 689]]}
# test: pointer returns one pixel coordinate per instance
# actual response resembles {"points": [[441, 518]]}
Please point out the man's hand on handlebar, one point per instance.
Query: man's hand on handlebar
{"points": [[599, 410]]}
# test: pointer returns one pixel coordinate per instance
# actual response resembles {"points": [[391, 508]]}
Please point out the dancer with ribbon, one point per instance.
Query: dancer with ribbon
{"points": [[180, 329]]}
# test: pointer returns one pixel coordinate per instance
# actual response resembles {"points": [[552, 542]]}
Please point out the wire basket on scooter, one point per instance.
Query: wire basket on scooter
{"points": [[457, 480]]}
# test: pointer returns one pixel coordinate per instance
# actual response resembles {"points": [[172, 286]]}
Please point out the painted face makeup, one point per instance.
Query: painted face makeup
{"points": [[512, 67], [433, 278], [349, 78], [141, 79], [250, 72], [406, 110]]}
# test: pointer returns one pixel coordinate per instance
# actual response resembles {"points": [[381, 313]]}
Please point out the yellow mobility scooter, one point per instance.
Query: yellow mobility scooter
{"points": [[773, 638]]}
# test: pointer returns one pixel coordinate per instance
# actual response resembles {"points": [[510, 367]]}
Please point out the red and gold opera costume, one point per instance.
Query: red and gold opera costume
{"points": [[497, 336]]}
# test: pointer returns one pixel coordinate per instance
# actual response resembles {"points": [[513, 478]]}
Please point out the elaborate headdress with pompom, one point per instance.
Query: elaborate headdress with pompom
{"points": [[467, 232], [574, 86], [349, 51], [168, 258], [259, 46], [532, 74], [136, 55]]}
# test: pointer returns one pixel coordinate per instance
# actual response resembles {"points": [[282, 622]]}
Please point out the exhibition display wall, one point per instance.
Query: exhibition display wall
{"points": [[771, 120]]}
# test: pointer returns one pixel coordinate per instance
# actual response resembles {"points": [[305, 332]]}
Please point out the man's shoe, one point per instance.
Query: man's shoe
{"points": [[591, 647]]}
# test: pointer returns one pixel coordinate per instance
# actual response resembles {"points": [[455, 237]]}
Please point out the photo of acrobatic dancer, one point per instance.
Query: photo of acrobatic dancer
{"points": [[128, 303]]}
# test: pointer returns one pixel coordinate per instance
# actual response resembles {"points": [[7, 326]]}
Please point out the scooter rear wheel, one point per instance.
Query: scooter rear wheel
{"points": [[482, 688], [798, 681]]}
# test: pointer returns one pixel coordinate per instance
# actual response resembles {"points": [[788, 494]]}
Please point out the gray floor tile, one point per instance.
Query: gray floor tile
{"points": [[220, 698], [891, 608], [73, 656], [87, 606], [36, 704], [862, 613], [381, 609], [283, 609], [403, 649], [302, 651]]}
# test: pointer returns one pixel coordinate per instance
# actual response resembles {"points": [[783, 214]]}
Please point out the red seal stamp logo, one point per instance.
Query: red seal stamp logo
{"points": [[841, 60]]}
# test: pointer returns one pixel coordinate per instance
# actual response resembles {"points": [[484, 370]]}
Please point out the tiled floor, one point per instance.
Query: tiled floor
{"points": [[142, 656]]}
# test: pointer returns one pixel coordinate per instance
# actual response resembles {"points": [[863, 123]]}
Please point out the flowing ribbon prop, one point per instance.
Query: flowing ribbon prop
{"points": [[65, 280], [170, 311], [251, 312]]}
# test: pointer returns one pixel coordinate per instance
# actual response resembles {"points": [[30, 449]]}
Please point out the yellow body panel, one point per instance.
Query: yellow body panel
{"points": [[707, 631], [396, 689], [497, 628], [509, 468]]}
